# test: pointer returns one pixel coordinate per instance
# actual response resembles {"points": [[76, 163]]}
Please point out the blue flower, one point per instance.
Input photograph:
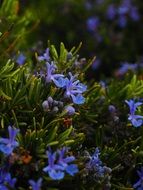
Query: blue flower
{"points": [[74, 89], [65, 162], [21, 59], [134, 14], [45, 56], [56, 78], [8, 144], [94, 160], [5, 179], [111, 12], [93, 23], [11, 181], [58, 164], [136, 120], [54, 170], [95, 164], [122, 21], [125, 67], [139, 184], [36, 185]]}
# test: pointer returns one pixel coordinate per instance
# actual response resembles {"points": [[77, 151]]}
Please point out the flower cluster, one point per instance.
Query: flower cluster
{"points": [[73, 88], [122, 12], [95, 170], [95, 164], [59, 163], [52, 105], [136, 120], [93, 24]]}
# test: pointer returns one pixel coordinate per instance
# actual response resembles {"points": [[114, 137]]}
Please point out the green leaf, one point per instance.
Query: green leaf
{"points": [[63, 136]]}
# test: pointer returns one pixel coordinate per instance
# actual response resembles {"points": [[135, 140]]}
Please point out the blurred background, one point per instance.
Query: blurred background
{"points": [[108, 29]]}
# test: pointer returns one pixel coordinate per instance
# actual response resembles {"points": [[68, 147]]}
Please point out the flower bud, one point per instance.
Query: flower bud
{"points": [[55, 109], [50, 100], [70, 110], [45, 105]]}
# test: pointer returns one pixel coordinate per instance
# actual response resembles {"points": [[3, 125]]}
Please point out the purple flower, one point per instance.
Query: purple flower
{"points": [[20, 59], [139, 184], [8, 144], [56, 78], [65, 162], [122, 10], [96, 64], [125, 67], [36, 185], [134, 14], [136, 120], [54, 170], [74, 89], [94, 160], [11, 181], [111, 12], [45, 56], [92, 23], [58, 164], [124, 6], [122, 21], [127, 9], [95, 164], [5, 179]]}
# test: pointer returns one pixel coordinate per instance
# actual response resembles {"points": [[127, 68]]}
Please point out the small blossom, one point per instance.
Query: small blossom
{"points": [[125, 67], [5, 179], [65, 162], [95, 164], [92, 23], [21, 59], [134, 14], [36, 185], [54, 170], [11, 181], [122, 21], [136, 120], [74, 89], [8, 144], [58, 164], [45, 56], [56, 78], [111, 12], [139, 184]]}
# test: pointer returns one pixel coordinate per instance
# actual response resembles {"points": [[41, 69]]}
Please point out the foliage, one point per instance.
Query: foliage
{"points": [[58, 129]]}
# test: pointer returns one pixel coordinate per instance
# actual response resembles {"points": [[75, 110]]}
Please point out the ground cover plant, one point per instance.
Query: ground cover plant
{"points": [[58, 129]]}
